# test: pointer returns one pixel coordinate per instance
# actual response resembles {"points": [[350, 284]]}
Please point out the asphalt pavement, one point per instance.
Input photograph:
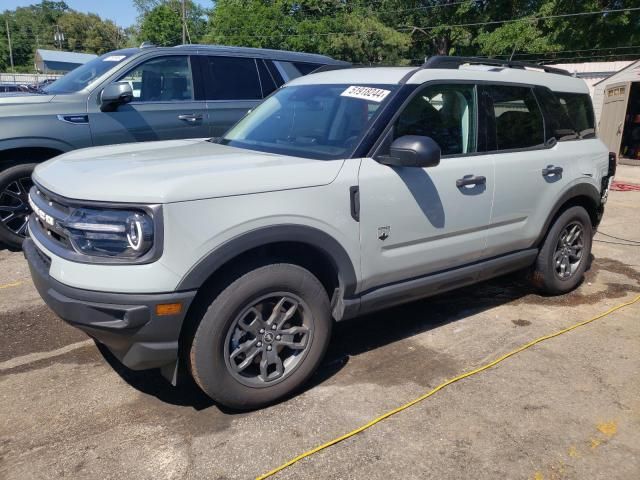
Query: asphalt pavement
{"points": [[568, 408]]}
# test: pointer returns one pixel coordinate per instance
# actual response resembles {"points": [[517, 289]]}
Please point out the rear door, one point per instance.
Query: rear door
{"points": [[614, 109], [232, 87], [418, 221], [532, 168], [164, 107]]}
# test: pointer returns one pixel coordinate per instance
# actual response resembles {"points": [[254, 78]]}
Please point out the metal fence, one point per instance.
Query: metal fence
{"points": [[24, 78]]}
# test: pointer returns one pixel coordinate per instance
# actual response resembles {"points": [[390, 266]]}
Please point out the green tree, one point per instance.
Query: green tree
{"points": [[342, 29], [162, 25]]}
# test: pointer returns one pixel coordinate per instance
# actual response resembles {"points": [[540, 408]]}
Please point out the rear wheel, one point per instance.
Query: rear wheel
{"points": [[15, 183], [262, 337], [565, 252]]}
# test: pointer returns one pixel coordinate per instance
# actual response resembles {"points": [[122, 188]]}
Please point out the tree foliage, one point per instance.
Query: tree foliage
{"points": [[34, 27], [161, 21], [360, 31], [347, 30]]}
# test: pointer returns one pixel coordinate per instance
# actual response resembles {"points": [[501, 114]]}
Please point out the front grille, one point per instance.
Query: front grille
{"points": [[50, 211]]}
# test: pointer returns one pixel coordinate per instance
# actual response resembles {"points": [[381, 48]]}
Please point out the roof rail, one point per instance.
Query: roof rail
{"points": [[441, 61]]}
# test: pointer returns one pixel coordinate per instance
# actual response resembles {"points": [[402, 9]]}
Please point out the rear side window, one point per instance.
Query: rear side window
{"points": [[275, 73], [229, 78], [288, 70], [306, 68], [579, 109], [266, 79], [558, 124], [514, 119]]}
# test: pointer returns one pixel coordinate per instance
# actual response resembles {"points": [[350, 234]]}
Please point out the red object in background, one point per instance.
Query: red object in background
{"points": [[625, 187], [636, 119]]}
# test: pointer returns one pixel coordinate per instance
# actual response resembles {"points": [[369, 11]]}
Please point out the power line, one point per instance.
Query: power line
{"points": [[475, 24], [531, 19], [548, 52], [591, 57]]}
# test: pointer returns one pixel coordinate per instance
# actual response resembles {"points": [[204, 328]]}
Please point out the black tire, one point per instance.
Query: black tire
{"points": [[551, 275], [15, 183], [219, 336]]}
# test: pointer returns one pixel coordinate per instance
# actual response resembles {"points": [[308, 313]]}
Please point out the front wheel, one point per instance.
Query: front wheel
{"points": [[15, 183], [262, 337], [565, 252]]}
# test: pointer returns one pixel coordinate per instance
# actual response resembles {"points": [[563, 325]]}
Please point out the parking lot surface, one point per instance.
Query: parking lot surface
{"points": [[568, 408]]}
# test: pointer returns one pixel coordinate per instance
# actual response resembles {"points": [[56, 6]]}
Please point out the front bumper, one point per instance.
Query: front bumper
{"points": [[126, 323]]}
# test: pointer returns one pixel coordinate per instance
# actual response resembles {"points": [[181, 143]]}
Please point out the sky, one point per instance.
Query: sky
{"points": [[122, 12]]}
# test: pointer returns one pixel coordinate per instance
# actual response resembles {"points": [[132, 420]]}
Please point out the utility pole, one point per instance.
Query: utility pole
{"points": [[184, 22], [58, 36], [6, 22]]}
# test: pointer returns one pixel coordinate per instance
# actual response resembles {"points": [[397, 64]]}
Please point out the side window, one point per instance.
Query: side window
{"points": [[232, 78], [287, 70], [275, 73], [446, 113], [266, 79], [162, 79], [516, 118], [558, 124], [578, 108], [306, 68]]}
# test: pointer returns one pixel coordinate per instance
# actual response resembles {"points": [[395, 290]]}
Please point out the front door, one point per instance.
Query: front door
{"points": [[614, 109], [418, 221], [163, 107]]}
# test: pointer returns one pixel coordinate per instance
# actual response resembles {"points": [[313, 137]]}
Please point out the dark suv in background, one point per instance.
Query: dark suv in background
{"points": [[134, 95]]}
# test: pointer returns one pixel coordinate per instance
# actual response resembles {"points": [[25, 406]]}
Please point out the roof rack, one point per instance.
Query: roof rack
{"points": [[441, 61]]}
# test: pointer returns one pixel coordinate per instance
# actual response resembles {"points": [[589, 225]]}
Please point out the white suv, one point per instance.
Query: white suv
{"points": [[344, 192]]}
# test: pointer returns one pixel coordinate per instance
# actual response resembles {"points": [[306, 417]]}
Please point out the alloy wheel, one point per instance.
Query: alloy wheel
{"points": [[268, 340], [14, 206], [568, 253]]}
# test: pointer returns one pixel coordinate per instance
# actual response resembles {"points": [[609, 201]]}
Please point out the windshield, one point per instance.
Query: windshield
{"points": [[79, 78], [311, 121]]}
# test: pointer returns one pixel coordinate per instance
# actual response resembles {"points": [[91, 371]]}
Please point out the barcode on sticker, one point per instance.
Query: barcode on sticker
{"points": [[366, 93]]}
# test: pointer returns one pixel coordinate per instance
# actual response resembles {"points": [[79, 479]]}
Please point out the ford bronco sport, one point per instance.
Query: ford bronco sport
{"points": [[133, 95], [343, 193]]}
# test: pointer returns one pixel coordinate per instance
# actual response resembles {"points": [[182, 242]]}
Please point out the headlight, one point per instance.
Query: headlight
{"points": [[126, 234]]}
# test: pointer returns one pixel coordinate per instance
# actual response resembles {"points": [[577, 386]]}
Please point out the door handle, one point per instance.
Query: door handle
{"points": [[469, 180], [551, 170], [190, 117]]}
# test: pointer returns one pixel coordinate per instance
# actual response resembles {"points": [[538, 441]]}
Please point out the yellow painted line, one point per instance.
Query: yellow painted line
{"points": [[38, 356], [443, 385], [11, 285]]}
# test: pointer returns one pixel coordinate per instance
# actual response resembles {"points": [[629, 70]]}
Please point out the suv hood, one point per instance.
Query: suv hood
{"points": [[176, 171], [16, 98]]}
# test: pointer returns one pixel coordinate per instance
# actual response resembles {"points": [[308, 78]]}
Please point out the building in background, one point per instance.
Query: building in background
{"points": [[56, 61], [617, 103]]}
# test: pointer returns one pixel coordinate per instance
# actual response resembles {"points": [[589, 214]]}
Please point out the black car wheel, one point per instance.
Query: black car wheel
{"points": [[15, 183], [564, 255], [262, 337]]}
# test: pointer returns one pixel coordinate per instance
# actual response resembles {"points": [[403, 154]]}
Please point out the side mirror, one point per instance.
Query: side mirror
{"points": [[115, 94], [413, 151]]}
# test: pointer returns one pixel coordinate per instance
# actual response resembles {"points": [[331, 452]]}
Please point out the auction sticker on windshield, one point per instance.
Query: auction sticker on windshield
{"points": [[366, 93]]}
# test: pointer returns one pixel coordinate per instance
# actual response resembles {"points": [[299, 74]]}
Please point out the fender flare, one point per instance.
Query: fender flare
{"points": [[580, 190], [35, 142], [236, 246]]}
